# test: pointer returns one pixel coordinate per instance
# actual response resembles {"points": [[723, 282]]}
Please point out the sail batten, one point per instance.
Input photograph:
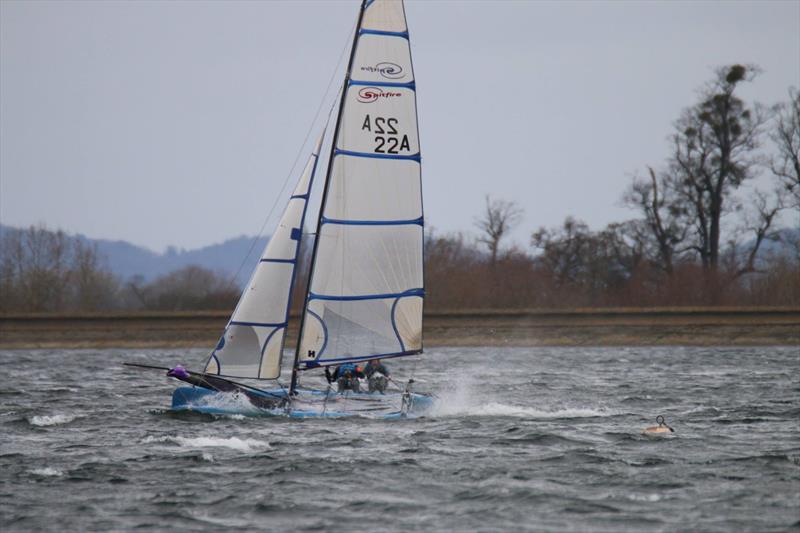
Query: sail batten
{"points": [[414, 222], [268, 260], [402, 34], [412, 157], [410, 85], [410, 292], [258, 324], [366, 289]]}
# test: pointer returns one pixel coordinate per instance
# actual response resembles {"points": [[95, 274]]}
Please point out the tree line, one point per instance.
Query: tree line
{"points": [[699, 236], [50, 271]]}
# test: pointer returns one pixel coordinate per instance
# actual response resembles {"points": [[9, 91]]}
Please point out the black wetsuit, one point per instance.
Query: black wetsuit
{"points": [[341, 370], [346, 377], [371, 369]]}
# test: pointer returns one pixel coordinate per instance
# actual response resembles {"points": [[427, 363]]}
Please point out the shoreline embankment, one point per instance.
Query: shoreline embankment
{"points": [[694, 326]]}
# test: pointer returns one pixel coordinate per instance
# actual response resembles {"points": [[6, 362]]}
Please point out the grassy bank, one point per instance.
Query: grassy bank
{"points": [[569, 327]]}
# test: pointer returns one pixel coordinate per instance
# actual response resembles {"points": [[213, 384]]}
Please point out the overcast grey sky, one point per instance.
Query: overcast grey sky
{"points": [[177, 122]]}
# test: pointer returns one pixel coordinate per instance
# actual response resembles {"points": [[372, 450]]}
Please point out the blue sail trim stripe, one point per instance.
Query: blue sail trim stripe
{"points": [[368, 3], [263, 348], [308, 365], [365, 31], [394, 326], [267, 260], [409, 292], [269, 337], [259, 324], [414, 157], [299, 196], [408, 85], [414, 221], [324, 331], [220, 345]]}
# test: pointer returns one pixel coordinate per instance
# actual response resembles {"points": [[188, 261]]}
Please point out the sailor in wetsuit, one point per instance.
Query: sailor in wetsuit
{"points": [[346, 377], [377, 375]]}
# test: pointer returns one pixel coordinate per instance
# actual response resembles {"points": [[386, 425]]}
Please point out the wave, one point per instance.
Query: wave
{"points": [[644, 497], [46, 472], [502, 409], [53, 420], [463, 395], [702, 409], [230, 401], [234, 443]]}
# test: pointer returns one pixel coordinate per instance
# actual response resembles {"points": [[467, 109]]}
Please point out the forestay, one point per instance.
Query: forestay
{"points": [[252, 344], [366, 290]]}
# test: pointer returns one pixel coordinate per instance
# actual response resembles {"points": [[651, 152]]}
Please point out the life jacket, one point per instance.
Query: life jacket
{"points": [[347, 367]]}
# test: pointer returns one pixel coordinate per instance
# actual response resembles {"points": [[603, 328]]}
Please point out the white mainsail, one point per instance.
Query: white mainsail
{"points": [[366, 290], [252, 344]]}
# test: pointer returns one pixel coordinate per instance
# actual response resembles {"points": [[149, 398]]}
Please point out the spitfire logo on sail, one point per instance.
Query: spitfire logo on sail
{"points": [[367, 95], [391, 71]]}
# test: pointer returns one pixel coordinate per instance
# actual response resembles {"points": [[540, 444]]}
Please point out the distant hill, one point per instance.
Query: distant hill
{"points": [[127, 260], [785, 244]]}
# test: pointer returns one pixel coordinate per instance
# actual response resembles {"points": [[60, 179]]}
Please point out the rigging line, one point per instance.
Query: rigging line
{"points": [[297, 157], [203, 375], [414, 367], [327, 395]]}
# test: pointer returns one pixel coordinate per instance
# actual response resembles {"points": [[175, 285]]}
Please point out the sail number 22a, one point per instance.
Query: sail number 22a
{"points": [[388, 140]]}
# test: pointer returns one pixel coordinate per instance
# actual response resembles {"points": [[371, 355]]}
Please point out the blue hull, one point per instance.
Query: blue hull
{"points": [[309, 403]]}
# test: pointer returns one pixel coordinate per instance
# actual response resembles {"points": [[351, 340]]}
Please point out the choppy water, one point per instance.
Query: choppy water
{"points": [[521, 439]]}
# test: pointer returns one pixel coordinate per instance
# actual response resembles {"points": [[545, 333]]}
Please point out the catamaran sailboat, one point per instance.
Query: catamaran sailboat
{"points": [[365, 292]]}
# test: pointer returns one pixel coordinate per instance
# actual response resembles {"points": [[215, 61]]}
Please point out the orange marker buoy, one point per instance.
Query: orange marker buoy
{"points": [[662, 427]]}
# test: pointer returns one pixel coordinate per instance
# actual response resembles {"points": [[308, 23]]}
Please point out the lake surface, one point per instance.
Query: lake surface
{"points": [[520, 439]]}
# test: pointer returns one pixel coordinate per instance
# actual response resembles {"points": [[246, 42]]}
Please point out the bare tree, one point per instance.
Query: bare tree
{"points": [[43, 270], [594, 262], [497, 220], [758, 222], [453, 270], [714, 152], [786, 136], [10, 252], [93, 286], [564, 250], [191, 287], [133, 294], [664, 215]]}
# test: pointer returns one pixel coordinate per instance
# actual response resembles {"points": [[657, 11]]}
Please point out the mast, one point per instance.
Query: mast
{"points": [[422, 203], [293, 385]]}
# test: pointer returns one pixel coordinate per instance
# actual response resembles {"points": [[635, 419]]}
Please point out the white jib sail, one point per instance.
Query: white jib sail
{"points": [[366, 291], [252, 344]]}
